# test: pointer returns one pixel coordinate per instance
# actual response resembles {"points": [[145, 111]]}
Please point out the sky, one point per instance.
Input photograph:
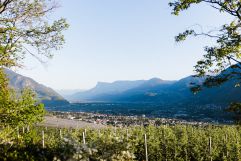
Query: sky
{"points": [[111, 40]]}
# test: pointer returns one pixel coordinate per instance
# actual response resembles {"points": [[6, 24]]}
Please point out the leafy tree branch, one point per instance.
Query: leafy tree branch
{"points": [[222, 61]]}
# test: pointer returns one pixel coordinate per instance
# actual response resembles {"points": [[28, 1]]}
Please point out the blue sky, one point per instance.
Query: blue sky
{"points": [[112, 40]]}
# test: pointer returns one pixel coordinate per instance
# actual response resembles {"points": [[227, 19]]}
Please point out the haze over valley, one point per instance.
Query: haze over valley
{"points": [[154, 97]]}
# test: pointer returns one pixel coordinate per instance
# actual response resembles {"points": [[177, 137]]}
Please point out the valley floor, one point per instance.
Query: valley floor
{"points": [[52, 121]]}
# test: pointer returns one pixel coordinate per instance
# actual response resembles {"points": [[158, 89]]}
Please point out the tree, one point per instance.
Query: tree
{"points": [[227, 51], [18, 109], [25, 28], [4, 4], [235, 108]]}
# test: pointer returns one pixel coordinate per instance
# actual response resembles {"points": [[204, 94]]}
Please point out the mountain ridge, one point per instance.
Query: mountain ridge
{"points": [[105, 88], [45, 94], [161, 91]]}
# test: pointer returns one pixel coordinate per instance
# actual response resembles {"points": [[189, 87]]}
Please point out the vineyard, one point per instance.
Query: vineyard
{"points": [[179, 142]]}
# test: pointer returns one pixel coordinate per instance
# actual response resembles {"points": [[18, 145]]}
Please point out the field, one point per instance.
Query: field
{"points": [[179, 142], [50, 121]]}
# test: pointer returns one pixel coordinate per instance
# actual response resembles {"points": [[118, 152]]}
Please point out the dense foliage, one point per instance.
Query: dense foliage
{"points": [[179, 142], [235, 107], [17, 109]]}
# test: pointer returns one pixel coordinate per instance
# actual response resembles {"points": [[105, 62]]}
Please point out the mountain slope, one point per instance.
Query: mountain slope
{"points": [[47, 95], [103, 88], [179, 92], [114, 91], [165, 92]]}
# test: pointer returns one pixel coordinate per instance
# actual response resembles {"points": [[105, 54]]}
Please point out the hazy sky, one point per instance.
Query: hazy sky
{"points": [[112, 40]]}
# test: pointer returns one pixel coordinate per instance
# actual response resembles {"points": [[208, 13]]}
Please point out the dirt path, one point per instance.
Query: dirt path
{"points": [[52, 121]]}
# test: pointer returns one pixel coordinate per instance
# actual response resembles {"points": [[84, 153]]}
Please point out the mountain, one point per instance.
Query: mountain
{"points": [[68, 92], [103, 92], [103, 88], [228, 91], [164, 92], [179, 92], [47, 95]]}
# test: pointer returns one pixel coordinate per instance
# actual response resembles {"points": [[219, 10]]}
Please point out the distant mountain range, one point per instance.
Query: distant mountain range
{"points": [[161, 91], [103, 88], [68, 92], [47, 95], [155, 90]]}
